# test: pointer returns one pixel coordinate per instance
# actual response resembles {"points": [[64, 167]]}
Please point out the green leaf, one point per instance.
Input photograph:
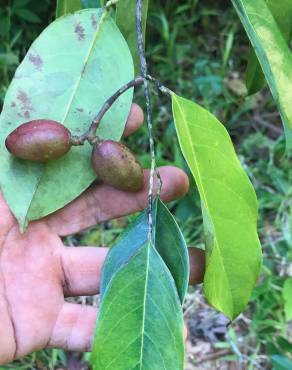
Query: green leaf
{"points": [[282, 12], [91, 3], [169, 243], [131, 240], [273, 54], [287, 295], [70, 6], [140, 324], [172, 247], [229, 207], [126, 21], [20, 3], [8, 59], [27, 15], [66, 76], [67, 6], [281, 363]]}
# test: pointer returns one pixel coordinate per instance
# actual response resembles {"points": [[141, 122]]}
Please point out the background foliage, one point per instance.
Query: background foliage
{"points": [[199, 49]]}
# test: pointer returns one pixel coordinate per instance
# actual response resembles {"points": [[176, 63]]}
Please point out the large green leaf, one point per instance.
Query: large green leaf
{"points": [[91, 3], [70, 6], [125, 16], [140, 324], [126, 21], [66, 76], [287, 295], [229, 207], [273, 54], [67, 6], [282, 12], [168, 241]]}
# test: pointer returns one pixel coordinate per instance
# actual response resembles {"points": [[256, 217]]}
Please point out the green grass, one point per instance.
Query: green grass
{"points": [[198, 49]]}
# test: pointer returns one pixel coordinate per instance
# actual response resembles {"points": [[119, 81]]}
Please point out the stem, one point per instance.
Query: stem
{"points": [[143, 64], [165, 90], [111, 3], [90, 134]]}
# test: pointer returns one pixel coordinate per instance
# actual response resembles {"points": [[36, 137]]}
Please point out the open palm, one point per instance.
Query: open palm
{"points": [[37, 271]]}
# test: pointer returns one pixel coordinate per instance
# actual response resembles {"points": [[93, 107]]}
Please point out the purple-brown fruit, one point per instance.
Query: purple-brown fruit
{"points": [[117, 166], [40, 140]]}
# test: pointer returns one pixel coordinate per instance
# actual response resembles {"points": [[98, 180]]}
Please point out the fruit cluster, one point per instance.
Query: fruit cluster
{"points": [[46, 140]]}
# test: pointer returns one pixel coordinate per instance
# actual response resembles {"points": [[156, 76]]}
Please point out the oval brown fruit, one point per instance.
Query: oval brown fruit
{"points": [[117, 166], [197, 265], [39, 141]]}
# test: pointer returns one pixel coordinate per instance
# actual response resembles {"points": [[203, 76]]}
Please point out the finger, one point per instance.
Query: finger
{"points": [[102, 202], [135, 120], [74, 328], [82, 268]]}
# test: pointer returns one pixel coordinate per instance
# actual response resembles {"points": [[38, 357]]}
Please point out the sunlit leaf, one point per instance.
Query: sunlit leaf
{"points": [[282, 12], [273, 54], [287, 295], [229, 207], [66, 76]]}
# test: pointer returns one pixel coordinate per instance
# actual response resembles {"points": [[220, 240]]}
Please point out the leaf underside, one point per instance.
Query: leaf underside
{"points": [[282, 13], [273, 54], [229, 207], [168, 241], [66, 76]]}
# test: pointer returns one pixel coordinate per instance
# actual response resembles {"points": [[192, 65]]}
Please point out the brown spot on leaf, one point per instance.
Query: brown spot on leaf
{"points": [[93, 21], [80, 109], [27, 114], [12, 104], [25, 101], [79, 30], [36, 60]]}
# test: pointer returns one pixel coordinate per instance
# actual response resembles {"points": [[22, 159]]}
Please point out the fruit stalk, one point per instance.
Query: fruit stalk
{"points": [[90, 134]]}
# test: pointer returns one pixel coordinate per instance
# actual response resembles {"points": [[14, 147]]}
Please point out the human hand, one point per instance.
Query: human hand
{"points": [[37, 271]]}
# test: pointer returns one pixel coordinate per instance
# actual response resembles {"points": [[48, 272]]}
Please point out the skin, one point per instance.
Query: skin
{"points": [[37, 271]]}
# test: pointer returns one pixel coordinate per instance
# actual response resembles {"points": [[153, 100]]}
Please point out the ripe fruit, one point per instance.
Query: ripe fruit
{"points": [[117, 166], [39, 141], [197, 265]]}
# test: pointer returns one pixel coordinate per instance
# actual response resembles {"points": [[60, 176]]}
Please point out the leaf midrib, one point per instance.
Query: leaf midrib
{"points": [[96, 34]]}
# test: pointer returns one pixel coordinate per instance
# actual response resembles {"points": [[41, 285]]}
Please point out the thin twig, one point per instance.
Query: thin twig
{"points": [[165, 90], [144, 72], [90, 134]]}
